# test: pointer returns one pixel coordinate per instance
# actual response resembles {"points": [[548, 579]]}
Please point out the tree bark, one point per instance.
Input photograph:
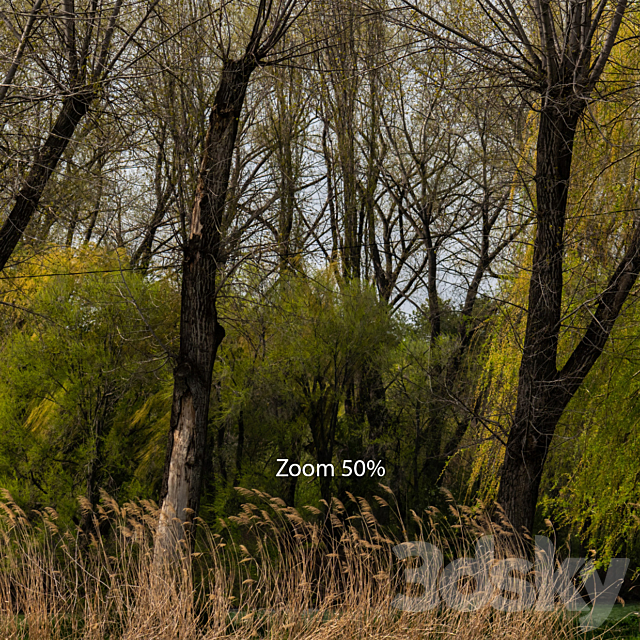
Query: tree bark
{"points": [[287, 201], [535, 417], [74, 109], [543, 391], [200, 333]]}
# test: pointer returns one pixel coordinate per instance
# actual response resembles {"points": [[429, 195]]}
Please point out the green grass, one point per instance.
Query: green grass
{"points": [[622, 624]]}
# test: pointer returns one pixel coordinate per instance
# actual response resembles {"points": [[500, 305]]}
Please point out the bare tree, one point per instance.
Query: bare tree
{"points": [[85, 44], [448, 179]]}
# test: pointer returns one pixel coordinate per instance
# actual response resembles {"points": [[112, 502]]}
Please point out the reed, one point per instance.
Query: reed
{"points": [[269, 572]]}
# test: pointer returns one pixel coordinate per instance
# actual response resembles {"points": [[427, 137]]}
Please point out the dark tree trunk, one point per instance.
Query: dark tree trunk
{"points": [[74, 109], [94, 469], [375, 402], [564, 66], [287, 207], [543, 391], [351, 244], [322, 424], [93, 218], [535, 418], [432, 285], [200, 333], [291, 483], [142, 255]]}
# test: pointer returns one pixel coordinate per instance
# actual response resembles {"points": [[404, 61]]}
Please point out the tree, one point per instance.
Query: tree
{"points": [[559, 51], [200, 331], [594, 441], [85, 43]]}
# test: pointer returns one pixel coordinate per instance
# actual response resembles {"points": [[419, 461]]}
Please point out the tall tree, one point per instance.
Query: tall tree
{"points": [[200, 331], [84, 35], [557, 49]]}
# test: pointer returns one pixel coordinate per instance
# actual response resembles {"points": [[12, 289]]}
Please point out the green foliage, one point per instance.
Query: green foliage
{"points": [[306, 365], [318, 372], [592, 481], [83, 367], [284, 377]]}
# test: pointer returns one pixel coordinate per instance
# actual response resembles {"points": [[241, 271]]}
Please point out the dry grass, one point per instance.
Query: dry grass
{"points": [[273, 573]]}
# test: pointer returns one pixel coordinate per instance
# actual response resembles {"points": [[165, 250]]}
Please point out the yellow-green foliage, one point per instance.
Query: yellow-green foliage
{"points": [[590, 481], [83, 365]]}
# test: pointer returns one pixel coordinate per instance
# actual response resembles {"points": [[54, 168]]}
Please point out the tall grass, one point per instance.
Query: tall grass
{"points": [[271, 572]]}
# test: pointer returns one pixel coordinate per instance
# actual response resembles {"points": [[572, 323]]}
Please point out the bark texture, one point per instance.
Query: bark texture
{"points": [[200, 332]]}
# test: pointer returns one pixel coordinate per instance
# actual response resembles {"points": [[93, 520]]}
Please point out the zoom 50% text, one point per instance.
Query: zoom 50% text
{"points": [[357, 468]]}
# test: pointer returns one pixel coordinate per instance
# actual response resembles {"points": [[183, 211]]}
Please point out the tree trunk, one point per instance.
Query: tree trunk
{"points": [[541, 403], [287, 204], [74, 108], [94, 473], [200, 332], [323, 417], [536, 416], [239, 449]]}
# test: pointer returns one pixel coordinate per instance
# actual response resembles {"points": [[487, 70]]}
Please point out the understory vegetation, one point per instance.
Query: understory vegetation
{"points": [[85, 400], [271, 572]]}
